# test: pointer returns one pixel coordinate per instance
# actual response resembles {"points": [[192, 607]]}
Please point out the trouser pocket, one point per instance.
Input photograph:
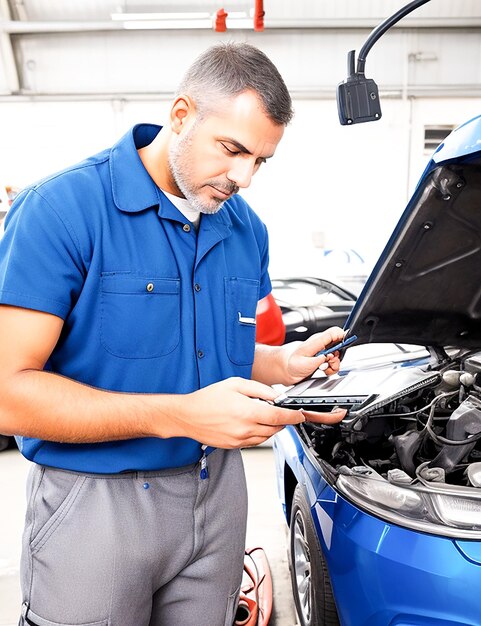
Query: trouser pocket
{"points": [[68, 493], [29, 618]]}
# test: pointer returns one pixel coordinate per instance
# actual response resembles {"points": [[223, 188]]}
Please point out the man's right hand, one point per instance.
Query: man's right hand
{"points": [[231, 414]]}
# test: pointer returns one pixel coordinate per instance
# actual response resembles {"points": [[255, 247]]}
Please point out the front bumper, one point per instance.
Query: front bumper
{"points": [[383, 574]]}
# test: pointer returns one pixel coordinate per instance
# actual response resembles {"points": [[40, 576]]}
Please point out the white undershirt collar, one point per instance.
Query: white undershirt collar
{"points": [[184, 207]]}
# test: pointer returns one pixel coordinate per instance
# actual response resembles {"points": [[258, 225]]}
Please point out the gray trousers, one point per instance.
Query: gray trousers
{"points": [[159, 548]]}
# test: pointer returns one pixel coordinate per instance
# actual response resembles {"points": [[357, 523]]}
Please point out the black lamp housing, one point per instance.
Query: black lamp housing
{"points": [[358, 96]]}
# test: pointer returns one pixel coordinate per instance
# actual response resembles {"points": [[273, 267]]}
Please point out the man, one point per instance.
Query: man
{"points": [[129, 371]]}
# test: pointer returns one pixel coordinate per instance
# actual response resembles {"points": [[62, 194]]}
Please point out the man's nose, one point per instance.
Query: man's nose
{"points": [[241, 172]]}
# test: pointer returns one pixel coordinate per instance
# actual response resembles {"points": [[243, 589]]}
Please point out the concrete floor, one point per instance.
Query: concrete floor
{"points": [[266, 527]]}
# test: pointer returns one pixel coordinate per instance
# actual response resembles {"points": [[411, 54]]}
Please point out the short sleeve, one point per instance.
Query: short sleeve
{"points": [[265, 287], [41, 266]]}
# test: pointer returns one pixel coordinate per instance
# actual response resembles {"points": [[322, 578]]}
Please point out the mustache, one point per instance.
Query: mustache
{"points": [[227, 188]]}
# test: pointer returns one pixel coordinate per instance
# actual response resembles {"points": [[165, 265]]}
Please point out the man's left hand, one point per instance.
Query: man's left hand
{"points": [[301, 359]]}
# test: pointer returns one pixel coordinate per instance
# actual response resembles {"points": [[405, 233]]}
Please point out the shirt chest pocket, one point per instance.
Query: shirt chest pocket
{"points": [[241, 297], [140, 315]]}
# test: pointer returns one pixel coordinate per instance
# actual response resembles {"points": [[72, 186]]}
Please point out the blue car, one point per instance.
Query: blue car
{"points": [[384, 509]]}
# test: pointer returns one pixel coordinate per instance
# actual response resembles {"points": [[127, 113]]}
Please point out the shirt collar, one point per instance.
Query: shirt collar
{"points": [[132, 187]]}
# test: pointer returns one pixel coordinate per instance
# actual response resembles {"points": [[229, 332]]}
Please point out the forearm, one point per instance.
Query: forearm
{"points": [[47, 406], [270, 364]]}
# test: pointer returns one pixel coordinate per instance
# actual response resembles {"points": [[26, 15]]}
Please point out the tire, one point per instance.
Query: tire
{"points": [[310, 580]]}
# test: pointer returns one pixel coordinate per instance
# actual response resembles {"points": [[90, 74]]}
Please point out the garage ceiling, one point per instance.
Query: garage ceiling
{"points": [[24, 16], [85, 47]]}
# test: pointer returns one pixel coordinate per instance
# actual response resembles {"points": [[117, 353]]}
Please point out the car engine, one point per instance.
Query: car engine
{"points": [[429, 432]]}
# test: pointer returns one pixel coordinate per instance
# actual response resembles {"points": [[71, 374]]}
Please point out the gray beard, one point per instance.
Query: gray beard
{"points": [[181, 168]]}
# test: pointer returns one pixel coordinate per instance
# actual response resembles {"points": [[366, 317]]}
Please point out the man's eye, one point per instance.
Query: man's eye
{"points": [[228, 149]]}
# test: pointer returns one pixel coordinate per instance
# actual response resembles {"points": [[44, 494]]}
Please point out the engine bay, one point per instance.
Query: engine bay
{"points": [[426, 431]]}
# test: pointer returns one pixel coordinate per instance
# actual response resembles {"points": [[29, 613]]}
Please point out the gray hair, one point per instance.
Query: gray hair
{"points": [[226, 70]]}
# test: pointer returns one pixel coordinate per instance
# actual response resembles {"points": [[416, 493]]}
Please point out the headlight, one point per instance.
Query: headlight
{"points": [[428, 509], [459, 512]]}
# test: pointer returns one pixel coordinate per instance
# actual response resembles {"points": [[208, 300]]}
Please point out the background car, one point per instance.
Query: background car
{"points": [[299, 307], [6, 442], [384, 509]]}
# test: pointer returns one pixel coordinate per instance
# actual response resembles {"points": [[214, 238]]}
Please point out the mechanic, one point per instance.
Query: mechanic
{"points": [[129, 371]]}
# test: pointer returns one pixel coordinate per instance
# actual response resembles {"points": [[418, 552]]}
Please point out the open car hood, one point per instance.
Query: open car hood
{"points": [[426, 287]]}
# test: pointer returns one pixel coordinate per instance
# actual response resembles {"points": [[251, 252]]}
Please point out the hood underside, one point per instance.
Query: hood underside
{"points": [[426, 286]]}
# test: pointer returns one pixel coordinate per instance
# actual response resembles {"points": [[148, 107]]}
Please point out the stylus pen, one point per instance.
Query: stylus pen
{"points": [[338, 346]]}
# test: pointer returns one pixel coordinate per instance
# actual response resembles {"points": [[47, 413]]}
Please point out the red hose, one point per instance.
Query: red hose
{"points": [[259, 15], [220, 17]]}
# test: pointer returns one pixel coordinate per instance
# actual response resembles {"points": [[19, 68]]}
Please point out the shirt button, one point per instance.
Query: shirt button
{"points": [[200, 354], [197, 287], [150, 287], [186, 228]]}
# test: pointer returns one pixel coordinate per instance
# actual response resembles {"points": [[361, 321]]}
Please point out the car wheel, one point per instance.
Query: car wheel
{"points": [[311, 584]]}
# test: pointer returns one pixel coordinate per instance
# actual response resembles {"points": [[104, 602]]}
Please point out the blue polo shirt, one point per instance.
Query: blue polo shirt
{"points": [[149, 304]]}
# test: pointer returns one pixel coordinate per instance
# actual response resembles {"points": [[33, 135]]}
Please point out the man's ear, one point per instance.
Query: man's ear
{"points": [[182, 113]]}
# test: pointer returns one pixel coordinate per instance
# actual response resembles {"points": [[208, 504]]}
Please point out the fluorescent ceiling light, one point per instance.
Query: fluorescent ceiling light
{"points": [[167, 24], [135, 17], [159, 21], [171, 21]]}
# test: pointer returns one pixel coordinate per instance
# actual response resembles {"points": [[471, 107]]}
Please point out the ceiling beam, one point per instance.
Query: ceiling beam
{"points": [[17, 27]]}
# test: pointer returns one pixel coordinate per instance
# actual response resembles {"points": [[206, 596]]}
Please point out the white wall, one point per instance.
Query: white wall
{"points": [[341, 186]]}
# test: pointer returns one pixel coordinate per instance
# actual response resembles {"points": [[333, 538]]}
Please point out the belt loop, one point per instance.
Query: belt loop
{"points": [[24, 610]]}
